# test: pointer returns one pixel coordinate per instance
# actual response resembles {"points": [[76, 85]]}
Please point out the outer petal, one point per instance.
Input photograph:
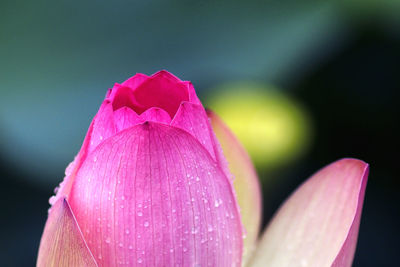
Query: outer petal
{"points": [[192, 93], [103, 125], [152, 195], [101, 128], [62, 243], [318, 224], [245, 181]]}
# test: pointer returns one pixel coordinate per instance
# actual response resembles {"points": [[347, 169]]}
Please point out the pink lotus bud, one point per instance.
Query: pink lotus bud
{"points": [[149, 186]]}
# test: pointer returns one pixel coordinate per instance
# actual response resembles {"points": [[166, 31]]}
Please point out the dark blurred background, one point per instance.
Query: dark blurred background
{"points": [[338, 60]]}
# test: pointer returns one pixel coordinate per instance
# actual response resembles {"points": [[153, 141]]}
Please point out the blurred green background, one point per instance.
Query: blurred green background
{"points": [[331, 69]]}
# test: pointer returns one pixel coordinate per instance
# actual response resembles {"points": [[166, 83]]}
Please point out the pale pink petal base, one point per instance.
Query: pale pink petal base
{"points": [[318, 225], [152, 195], [62, 243], [245, 181]]}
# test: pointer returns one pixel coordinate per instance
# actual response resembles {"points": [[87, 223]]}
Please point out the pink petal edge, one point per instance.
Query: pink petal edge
{"points": [[62, 243], [246, 183], [318, 224], [346, 254]]}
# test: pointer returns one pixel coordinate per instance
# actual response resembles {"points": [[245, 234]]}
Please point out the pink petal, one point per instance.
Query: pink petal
{"points": [[157, 115], [192, 93], [246, 183], [103, 125], [153, 195], [193, 119], [122, 96], [62, 242], [318, 224], [162, 90], [135, 81], [125, 118], [64, 188]]}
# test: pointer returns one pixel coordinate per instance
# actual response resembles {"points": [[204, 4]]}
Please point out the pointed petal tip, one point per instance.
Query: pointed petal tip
{"points": [[353, 161], [62, 241]]}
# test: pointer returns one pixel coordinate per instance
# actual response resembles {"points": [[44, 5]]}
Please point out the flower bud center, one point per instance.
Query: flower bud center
{"points": [[163, 93]]}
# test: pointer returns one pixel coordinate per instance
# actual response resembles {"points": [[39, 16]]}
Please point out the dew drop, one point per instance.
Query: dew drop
{"points": [[139, 213], [146, 224], [217, 203], [139, 260]]}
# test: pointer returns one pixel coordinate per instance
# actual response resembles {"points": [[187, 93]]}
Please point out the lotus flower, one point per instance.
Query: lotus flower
{"points": [[153, 186]]}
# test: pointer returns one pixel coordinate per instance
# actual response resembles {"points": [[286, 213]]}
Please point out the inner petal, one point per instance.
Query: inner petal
{"points": [[161, 90]]}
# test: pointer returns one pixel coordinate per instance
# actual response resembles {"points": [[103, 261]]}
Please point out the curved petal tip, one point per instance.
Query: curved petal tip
{"points": [[318, 224]]}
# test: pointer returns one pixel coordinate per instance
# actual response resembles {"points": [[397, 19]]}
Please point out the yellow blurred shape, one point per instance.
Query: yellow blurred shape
{"points": [[272, 127]]}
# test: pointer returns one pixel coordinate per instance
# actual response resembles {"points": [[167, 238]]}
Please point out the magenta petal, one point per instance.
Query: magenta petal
{"points": [[192, 93], [152, 194], [122, 96], [64, 188], [125, 118], [157, 115], [162, 90], [318, 224], [62, 243], [193, 119], [103, 125], [135, 81]]}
